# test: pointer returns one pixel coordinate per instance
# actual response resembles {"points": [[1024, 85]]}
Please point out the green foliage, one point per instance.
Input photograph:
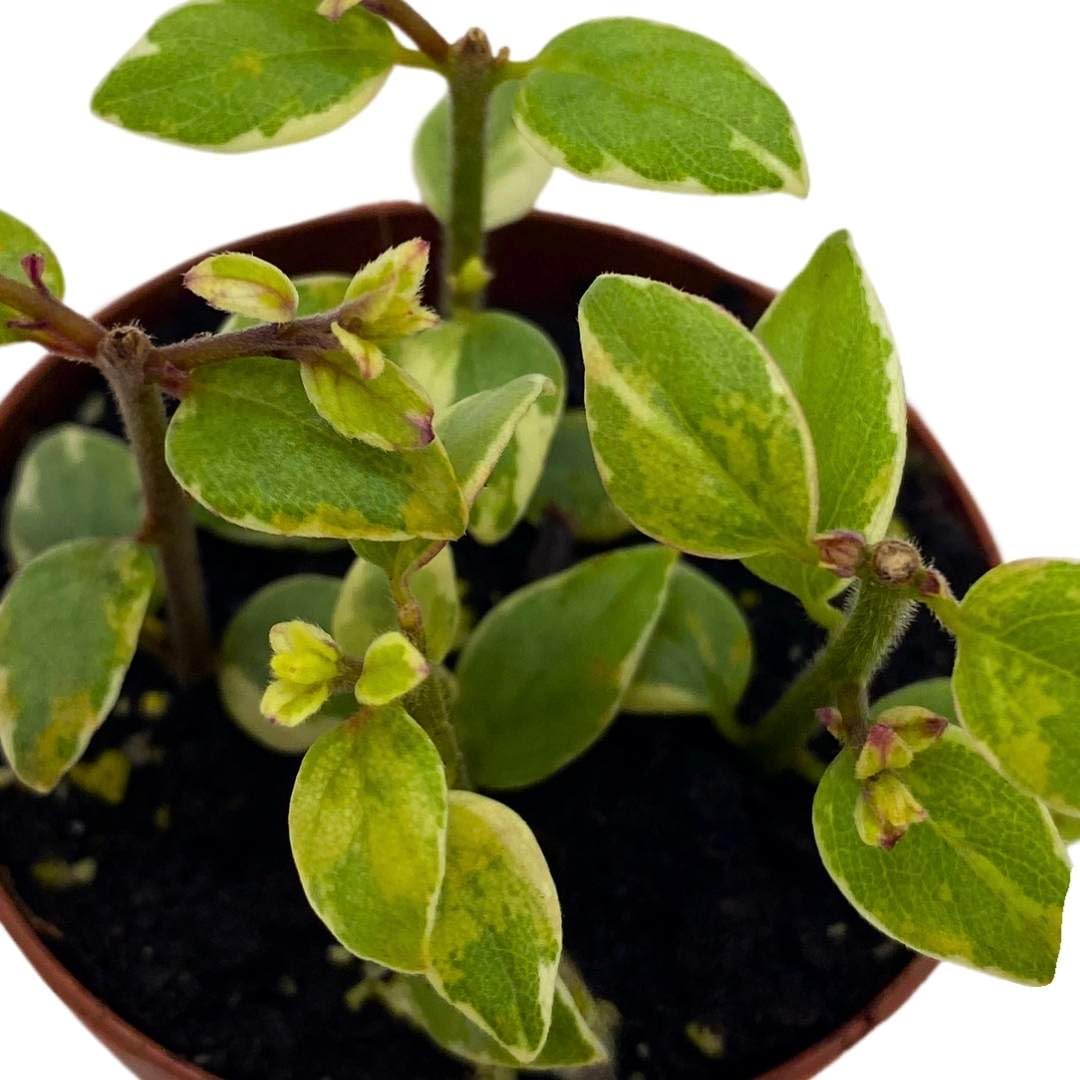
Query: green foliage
{"points": [[290, 473], [645, 104], [933, 694], [72, 482], [571, 487], [485, 352], [365, 608], [69, 624], [316, 293], [368, 825], [245, 659], [828, 334], [393, 666], [497, 936], [570, 1042], [698, 438], [238, 75], [700, 655], [514, 173], [544, 673], [16, 242], [1017, 675], [981, 881], [385, 297], [244, 285]]}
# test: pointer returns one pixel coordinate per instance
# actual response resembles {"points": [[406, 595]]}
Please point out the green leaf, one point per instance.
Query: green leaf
{"points": [[1017, 674], [365, 608], [497, 937], [69, 625], [236, 534], [16, 242], [1068, 827], [246, 444], [244, 668], [571, 487], [484, 352], [318, 294], [393, 666], [72, 482], [639, 103], [933, 694], [982, 881], [478, 429], [368, 824], [390, 412], [514, 173], [570, 1042], [700, 655], [698, 438], [244, 285], [544, 673], [828, 334], [238, 75]]}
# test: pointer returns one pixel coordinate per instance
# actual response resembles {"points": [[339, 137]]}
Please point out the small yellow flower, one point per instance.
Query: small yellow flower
{"points": [[306, 662], [289, 703]]}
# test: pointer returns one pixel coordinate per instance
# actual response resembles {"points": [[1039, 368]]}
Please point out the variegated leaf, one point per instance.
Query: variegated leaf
{"points": [[16, 242]]}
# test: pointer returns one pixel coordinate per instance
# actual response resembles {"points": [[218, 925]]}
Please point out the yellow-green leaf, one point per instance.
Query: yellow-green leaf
{"points": [[368, 823], [317, 293], [16, 242], [244, 285], [392, 667], [981, 881], [69, 625], [497, 937], [697, 436]]}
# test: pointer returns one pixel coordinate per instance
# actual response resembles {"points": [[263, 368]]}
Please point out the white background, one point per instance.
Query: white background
{"points": [[943, 135]]}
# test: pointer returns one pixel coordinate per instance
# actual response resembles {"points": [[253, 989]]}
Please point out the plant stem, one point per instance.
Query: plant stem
{"points": [[413, 25], [80, 334], [122, 356]]}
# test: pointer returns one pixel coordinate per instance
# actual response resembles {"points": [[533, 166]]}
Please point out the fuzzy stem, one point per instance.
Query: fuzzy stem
{"points": [[169, 526], [81, 335], [413, 25]]}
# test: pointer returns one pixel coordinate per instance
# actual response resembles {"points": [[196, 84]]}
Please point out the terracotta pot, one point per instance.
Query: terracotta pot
{"points": [[534, 272]]}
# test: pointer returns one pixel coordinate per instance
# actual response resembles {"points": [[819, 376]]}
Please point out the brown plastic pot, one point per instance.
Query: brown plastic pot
{"points": [[543, 263]]}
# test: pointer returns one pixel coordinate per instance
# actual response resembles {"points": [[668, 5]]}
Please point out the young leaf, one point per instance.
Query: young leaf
{"points": [[571, 487], [392, 667], [699, 657], [365, 608], [244, 285], [72, 482], [246, 444], [245, 659], [1017, 674], [16, 242], [389, 412], [514, 173], [69, 624], [570, 1042], [544, 673], [385, 296], [316, 293], [828, 334], [636, 102], [484, 352], [933, 694], [497, 936], [239, 75], [478, 429], [698, 438], [368, 823], [981, 881]]}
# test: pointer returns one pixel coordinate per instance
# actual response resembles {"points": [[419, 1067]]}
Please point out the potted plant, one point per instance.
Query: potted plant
{"points": [[332, 410]]}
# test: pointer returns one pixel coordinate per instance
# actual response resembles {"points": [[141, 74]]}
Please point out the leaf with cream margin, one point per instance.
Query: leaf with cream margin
{"points": [[462, 357], [497, 938], [570, 1042], [316, 294], [635, 102], [571, 487], [72, 482], [240, 75], [16, 242], [1017, 674], [544, 673], [368, 826], [246, 443], [829, 336], [69, 625], [981, 881], [244, 285], [244, 667], [697, 436], [700, 655], [393, 667], [365, 608], [514, 173]]}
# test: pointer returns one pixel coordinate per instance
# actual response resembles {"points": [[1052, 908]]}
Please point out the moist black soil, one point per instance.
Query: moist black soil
{"points": [[690, 884]]}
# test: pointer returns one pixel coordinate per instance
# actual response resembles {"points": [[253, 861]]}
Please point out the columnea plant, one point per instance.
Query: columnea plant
{"points": [[332, 409]]}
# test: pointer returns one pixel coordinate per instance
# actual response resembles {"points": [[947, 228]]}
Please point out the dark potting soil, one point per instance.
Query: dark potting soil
{"points": [[690, 884]]}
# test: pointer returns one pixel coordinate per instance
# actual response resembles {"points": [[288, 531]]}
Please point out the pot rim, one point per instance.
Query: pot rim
{"points": [[131, 1045]]}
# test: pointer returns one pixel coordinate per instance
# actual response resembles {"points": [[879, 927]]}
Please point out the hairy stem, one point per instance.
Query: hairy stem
{"points": [[69, 333], [122, 357], [413, 25]]}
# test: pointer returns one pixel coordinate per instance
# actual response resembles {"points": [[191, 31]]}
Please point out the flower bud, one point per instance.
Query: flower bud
{"points": [[244, 285], [895, 562], [883, 749], [303, 654], [885, 810], [368, 356], [918, 727], [383, 300], [832, 721], [841, 552], [289, 703]]}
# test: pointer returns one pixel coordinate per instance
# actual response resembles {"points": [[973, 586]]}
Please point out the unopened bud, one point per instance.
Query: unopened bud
{"points": [[244, 285], [474, 277], [832, 721], [918, 727], [383, 300], [33, 266], [841, 552], [885, 810], [368, 356], [883, 749], [895, 562]]}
